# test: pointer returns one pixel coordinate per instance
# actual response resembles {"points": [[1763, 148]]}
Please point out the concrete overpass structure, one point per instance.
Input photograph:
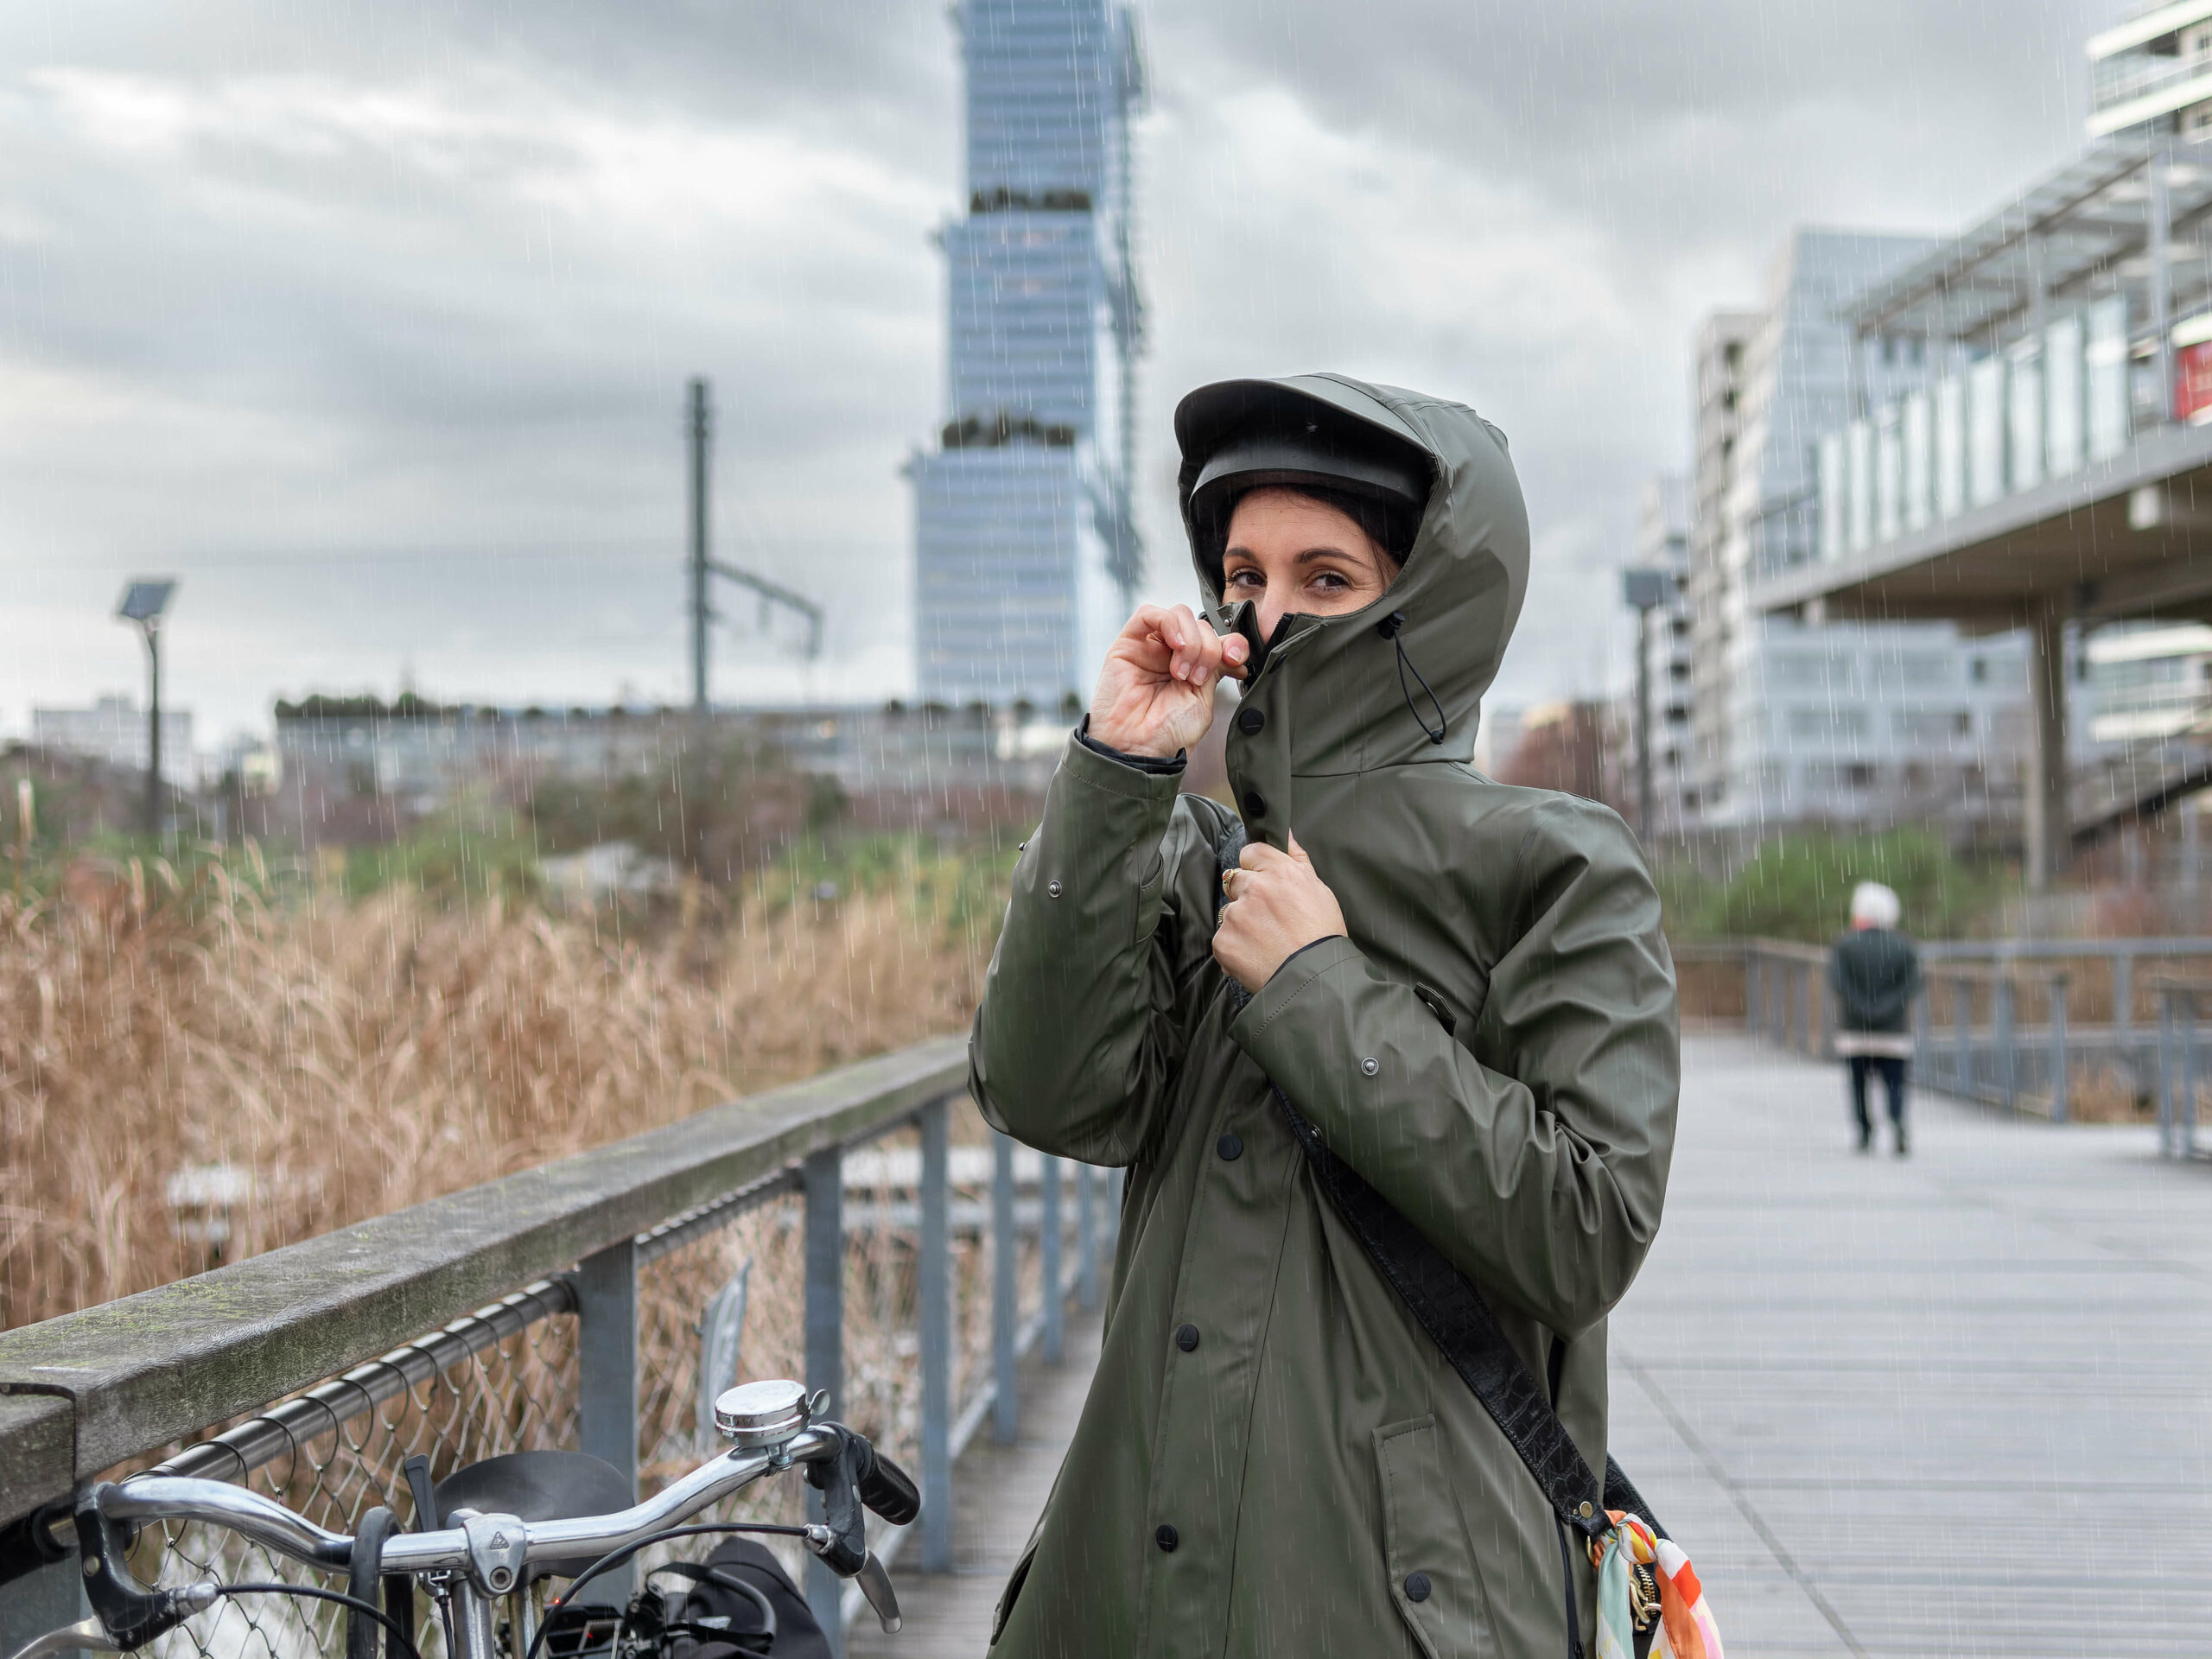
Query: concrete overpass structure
{"points": [[2049, 471]]}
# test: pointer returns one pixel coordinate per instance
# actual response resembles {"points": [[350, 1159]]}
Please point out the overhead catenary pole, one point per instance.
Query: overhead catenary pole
{"points": [[701, 427]]}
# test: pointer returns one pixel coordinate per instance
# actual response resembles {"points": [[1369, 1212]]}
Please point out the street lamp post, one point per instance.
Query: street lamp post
{"points": [[144, 603], [1646, 590]]}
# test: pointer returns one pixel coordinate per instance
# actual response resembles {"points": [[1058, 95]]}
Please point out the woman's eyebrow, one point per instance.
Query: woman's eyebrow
{"points": [[1322, 553]]}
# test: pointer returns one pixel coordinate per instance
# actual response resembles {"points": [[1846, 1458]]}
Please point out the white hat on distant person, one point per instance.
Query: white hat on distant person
{"points": [[1873, 905]]}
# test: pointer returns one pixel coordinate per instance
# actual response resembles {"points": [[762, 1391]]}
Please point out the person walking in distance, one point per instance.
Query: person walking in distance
{"points": [[1875, 971], [1461, 987]]}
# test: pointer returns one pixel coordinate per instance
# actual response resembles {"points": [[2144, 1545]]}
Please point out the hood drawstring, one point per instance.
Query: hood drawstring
{"points": [[1390, 628]]}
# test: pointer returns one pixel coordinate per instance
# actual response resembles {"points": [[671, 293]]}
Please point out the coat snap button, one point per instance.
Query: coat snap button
{"points": [[1164, 1536], [1249, 721], [1052, 888], [1371, 1065], [1417, 1587], [1187, 1338], [1585, 1508], [1229, 1148], [1255, 804]]}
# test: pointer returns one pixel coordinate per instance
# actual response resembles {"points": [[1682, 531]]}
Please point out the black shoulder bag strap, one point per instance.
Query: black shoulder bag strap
{"points": [[1462, 1327]]}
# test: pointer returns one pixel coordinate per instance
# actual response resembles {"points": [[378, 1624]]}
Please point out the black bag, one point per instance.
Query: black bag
{"points": [[748, 1604], [1446, 1305]]}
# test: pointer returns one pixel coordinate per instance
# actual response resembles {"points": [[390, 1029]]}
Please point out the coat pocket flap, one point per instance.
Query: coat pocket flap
{"points": [[1432, 1576]]}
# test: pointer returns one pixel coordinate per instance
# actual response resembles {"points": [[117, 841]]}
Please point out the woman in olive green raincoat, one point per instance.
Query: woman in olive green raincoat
{"points": [[1463, 985]]}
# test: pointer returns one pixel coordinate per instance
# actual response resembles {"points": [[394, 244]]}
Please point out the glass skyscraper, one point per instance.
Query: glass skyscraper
{"points": [[1026, 556]]}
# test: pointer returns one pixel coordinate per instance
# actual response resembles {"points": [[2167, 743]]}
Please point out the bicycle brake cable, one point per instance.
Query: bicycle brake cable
{"points": [[314, 1593], [615, 1557]]}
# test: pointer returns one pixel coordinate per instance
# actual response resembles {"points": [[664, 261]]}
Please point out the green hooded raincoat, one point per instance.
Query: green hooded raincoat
{"points": [[1493, 1047]]}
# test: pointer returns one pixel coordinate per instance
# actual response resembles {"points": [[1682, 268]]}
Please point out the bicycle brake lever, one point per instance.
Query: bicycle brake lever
{"points": [[875, 1584], [128, 1614], [86, 1634], [842, 1544]]}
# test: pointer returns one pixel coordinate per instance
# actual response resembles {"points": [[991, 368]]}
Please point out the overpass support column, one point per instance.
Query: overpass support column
{"points": [[2049, 831]]}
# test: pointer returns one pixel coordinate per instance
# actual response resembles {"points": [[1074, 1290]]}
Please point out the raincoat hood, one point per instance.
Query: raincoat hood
{"points": [[1333, 696]]}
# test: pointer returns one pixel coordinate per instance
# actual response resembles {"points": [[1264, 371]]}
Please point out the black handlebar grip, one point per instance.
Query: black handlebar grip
{"points": [[890, 1491]]}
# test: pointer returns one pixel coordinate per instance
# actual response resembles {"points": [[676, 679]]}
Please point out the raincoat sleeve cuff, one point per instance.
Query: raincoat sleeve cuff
{"points": [[1086, 765], [1290, 983], [1152, 763]]}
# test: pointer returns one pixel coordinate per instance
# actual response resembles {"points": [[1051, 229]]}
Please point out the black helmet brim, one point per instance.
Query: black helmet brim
{"points": [[1239, 435]]}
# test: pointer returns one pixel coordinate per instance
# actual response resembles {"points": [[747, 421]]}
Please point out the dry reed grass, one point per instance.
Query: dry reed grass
{"points": [[356, 1057]]}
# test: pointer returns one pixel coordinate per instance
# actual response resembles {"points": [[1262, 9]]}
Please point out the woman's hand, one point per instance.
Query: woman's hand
{"points": [[1277, 906], [1156, 693]]}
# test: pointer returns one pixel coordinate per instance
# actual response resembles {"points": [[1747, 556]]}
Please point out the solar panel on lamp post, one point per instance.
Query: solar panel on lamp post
{"points": [[145, 602]]}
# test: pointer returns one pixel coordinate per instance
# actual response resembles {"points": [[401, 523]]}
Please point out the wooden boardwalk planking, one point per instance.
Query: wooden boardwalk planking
{"points": [[1959, 1404], [998, 1494], [1956, 1404]]}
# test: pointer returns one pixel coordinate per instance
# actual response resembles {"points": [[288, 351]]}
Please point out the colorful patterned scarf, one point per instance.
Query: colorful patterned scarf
{"points": [[1686, 1629]]}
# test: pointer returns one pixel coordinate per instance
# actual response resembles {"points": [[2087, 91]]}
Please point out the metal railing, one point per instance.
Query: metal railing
{"points": [[2181, 1004], [597, 1303], [2005, 1022], [2011, 1062]]}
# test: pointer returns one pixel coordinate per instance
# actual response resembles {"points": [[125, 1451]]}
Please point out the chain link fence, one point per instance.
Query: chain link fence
{"points": [[720, 1298]]}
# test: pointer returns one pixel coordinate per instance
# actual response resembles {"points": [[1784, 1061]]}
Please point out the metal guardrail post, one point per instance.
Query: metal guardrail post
{"points": [[824, 1323], [2123, 1004], [2166, 1072], [1086, 1235], [2059, 1081], [1049, 1241], [937, 1339], [607, 1370], [1006, 1286], [2008, 1069], [1754, 1005], [1923, 1056], [44, 1600], [1963, 1017], [2186, 1107]]}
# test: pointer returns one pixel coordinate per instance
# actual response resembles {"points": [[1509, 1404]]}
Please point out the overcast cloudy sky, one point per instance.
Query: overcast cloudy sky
{"points": [[372, 321]]}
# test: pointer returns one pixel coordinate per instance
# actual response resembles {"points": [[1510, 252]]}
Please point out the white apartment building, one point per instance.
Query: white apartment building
{"points": [[2150, 682], [1853, 723], [114, 730], [1663, 543], [2153, 74]]}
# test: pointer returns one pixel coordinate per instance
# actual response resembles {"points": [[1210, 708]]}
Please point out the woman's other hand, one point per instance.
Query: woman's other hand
{"points": [[1277, 906], [1156, 693]]}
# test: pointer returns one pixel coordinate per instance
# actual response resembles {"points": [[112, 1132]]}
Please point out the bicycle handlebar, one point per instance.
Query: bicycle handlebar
{"points": [[171, 1498], [493, 1553]]}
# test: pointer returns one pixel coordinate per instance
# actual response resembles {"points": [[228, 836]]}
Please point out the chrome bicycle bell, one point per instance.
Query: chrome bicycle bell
{"points": [[755, 1415]]}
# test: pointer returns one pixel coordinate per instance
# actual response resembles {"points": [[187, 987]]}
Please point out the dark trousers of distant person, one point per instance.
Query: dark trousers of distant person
{"points": [[1891, 1069]]}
